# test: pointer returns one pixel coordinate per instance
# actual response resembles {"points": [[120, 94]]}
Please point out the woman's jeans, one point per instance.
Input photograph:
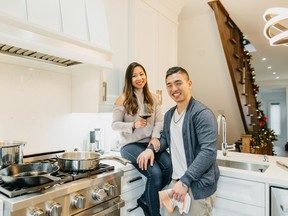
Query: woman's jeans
{"points": [[157, 175]]}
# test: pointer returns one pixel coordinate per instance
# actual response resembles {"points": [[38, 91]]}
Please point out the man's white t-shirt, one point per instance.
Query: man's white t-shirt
{"points": [[177, 146]]}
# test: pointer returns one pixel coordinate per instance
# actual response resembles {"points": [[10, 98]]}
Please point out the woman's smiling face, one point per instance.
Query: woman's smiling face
{"points": [[138, 78]]}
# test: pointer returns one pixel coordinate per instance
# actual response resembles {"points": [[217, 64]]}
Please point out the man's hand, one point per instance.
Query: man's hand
{"points": [[144, 157], [179, 192], [156, 144]]}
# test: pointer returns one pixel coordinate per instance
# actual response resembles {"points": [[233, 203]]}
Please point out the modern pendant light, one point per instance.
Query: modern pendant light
{"points": [[276, 27]]}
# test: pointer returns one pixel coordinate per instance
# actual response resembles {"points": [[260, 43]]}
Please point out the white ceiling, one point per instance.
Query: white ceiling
{"points": [[248, 16]]}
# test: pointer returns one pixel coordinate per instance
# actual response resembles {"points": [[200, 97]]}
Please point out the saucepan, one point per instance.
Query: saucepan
{"points": [[84, 160], [11, 152], [31, 174]]}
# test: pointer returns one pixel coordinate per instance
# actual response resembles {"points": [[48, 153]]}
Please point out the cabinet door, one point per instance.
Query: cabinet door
{"points": [[167, 56], [154, 46], [15, 8], [74, 18], [144, 39], [44, 13], [97, 23], [131, 207], [232, 208]]}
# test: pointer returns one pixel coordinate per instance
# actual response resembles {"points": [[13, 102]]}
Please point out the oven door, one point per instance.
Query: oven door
{"points": [[109, 208]]}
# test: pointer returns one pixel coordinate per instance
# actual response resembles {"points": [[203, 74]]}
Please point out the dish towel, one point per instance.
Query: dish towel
{"points": [[170, 204]]}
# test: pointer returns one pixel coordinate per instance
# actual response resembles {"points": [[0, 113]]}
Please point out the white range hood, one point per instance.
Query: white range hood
{"points": [[23, 39]]}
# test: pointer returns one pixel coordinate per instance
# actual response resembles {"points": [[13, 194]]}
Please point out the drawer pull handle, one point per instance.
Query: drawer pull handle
{"points": [[135, 179], [132, 209], [284, 207]]}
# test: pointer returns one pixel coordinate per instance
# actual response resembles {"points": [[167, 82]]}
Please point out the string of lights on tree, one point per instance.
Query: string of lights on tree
{"points": [[264, 135]]}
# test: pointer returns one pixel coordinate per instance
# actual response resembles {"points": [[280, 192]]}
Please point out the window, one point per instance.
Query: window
{"points": [[275, 117]]}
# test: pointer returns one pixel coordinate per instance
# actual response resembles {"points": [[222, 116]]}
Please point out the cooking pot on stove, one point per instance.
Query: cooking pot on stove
{"points": [[84, 160], [11, 152]]}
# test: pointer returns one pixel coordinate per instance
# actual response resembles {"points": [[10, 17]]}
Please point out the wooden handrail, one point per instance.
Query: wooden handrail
{"points": [[239, 70]]}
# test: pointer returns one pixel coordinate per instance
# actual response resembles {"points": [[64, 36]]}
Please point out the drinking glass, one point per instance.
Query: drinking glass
{"points": [[144, 113]]}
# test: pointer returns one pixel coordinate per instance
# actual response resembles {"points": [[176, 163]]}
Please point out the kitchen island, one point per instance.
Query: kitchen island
{"points": [[242, 191]]}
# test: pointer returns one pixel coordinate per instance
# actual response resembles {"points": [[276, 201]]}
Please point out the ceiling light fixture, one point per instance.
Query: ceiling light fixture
{"points": [[269, 67], [263, 59], [276, 27]]}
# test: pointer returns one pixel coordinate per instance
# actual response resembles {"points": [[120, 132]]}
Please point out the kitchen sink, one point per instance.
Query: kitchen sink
{"points": [[242, 165]]}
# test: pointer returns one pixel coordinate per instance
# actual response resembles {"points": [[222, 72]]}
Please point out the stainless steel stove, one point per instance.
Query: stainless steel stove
{"points": [[94, 192]]}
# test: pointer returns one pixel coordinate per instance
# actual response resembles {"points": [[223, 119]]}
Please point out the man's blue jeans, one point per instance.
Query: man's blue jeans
{"points": [[157, 175]]}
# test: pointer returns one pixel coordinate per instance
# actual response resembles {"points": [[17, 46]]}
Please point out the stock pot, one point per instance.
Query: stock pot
{"points": [[84, 160], [11, 152]]}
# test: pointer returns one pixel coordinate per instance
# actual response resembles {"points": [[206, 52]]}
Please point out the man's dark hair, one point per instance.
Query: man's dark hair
{"points": [[177, 69]]}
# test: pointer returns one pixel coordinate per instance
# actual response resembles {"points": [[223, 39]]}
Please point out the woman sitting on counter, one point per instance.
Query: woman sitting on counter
{"points": [[137, 115]]}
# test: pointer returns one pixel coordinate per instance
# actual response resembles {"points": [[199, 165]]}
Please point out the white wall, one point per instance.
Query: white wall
{"points": [[36, 108], [201, 54]]}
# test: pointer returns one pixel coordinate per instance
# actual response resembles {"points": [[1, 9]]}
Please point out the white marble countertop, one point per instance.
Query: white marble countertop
{"points": [[274, 175]]}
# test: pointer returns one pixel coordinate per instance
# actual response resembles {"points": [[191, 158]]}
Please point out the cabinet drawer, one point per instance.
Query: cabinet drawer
{"points": [[132, 179], [232, 208], [252, 193], [131, 207]]}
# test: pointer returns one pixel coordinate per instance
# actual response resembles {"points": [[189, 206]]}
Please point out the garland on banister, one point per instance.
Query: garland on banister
{"points": [[264, 135]]}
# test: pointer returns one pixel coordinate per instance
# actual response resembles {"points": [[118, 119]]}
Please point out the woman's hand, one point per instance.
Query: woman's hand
{"points": [[141, 123], [156, 144]]}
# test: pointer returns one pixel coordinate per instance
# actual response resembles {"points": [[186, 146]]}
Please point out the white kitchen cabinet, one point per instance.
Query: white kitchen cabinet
{"points": [[167, 57], [144, 40], [132, 187], [15, 8], [97, 23], [237, 197], [154, 46], [44, 13], [234, 208], [74, 20]]}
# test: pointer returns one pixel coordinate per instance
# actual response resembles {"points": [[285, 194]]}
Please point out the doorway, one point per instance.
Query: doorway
{"points": [[274, 107]]}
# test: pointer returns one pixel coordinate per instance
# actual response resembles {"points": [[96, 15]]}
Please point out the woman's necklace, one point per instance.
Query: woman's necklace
{"points": [[181, 115]]}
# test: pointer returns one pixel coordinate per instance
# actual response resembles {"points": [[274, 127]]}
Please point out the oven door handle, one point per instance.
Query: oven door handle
{"points": [[104, 208], [119, 204]]}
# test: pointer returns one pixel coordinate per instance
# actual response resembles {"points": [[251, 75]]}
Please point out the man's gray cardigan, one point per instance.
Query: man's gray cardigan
{"points": [[200, 137]]}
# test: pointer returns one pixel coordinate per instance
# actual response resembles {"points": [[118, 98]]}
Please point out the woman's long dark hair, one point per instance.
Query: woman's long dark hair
{"points": [[130, 103]]}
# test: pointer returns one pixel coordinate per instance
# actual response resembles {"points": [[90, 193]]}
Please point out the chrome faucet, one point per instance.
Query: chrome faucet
{"points": [[225, 146]]}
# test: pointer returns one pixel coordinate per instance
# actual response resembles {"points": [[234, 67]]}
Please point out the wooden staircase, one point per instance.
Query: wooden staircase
{"points": [[241, 72], [243, 79]]}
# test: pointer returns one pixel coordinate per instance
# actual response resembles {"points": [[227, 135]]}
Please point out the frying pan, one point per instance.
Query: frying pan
{"points": [[31, 174], [84, 160]]}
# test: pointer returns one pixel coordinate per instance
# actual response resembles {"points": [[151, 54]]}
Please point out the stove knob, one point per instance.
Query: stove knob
{"points": [[99, 194], [110, 189], [54, 209], [37, 212], [78, 201]]}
